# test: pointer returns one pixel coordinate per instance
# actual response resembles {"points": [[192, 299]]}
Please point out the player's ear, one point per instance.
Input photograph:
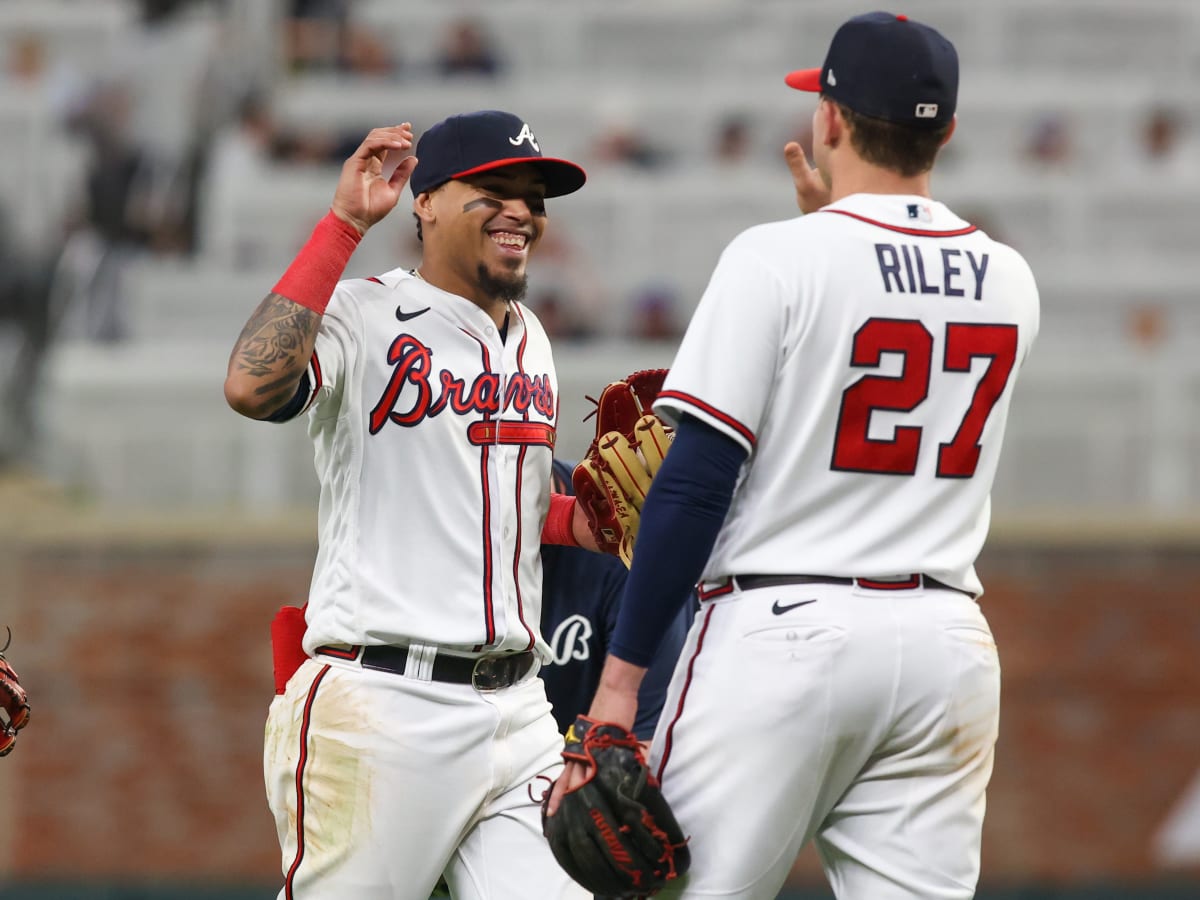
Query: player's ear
{"points": [[950, 130], [423, 207], [832, 124]]}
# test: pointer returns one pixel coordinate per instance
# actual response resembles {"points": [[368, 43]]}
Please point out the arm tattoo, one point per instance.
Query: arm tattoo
{"points": [[275, 347]]}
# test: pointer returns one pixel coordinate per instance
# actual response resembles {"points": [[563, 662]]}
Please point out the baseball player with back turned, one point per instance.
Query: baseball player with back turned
{"points": [[840, 400], [415, 738]]}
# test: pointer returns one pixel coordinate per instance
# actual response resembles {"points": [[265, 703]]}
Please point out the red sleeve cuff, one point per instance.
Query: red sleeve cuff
{"points": [[557, 529]]}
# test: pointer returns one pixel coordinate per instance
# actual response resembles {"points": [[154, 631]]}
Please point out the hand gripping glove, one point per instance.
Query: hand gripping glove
{"points": [[13, 703], [614, 476], [614, 834]]}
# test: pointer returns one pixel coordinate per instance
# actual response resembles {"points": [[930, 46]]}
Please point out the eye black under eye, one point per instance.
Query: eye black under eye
{"points": [[535, 202]]}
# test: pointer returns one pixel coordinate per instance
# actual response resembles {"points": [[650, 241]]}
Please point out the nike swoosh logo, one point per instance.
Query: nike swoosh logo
{"points": [[404, 317], [779, 609]]}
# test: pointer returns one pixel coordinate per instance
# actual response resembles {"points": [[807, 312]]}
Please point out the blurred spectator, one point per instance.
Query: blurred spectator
{"points": [[1160, 133], [732, 144], [242, 154], [654, 316], [566, 287], [1050, 143], [177, 41], [314, 33], [1162, 143], [25, 59], [28, 65], [113, 202], [321, 35], [108, 223], [559, 316], [618, 139], [43, 166], [27, 321], [620, 143], [468, 49], [1146, 324]]}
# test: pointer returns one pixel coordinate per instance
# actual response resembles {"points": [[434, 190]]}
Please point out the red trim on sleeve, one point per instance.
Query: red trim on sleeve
{"points": [[712, 411], [316, 381]]}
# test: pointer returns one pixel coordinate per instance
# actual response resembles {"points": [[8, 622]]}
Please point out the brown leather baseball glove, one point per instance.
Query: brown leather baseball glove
{"points": [[614, 476], [14, 705]]}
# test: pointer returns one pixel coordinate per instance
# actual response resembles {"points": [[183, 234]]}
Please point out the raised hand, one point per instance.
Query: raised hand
{"points": [[364, 195], [811, 190]]}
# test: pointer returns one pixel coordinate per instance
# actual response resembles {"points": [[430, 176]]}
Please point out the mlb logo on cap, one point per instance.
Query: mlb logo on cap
{"points": [[482, 141], [888, 67]]}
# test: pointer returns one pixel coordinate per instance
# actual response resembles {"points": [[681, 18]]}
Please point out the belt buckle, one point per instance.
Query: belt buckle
{"points": [[491, 673]]}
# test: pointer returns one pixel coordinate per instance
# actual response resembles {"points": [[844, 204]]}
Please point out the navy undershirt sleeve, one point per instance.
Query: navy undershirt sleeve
{"points": [[682, 516], [295, 406]]}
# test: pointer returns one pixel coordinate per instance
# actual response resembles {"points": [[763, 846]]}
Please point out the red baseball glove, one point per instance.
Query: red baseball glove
{"points": [[14, 705], [613, 478]]}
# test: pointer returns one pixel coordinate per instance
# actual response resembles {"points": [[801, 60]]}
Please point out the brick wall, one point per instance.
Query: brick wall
{"points": [[150, 674], [149, 668]]}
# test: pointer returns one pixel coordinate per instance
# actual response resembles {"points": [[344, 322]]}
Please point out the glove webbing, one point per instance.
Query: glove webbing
{"points": [[597, 740], [668, 856]]}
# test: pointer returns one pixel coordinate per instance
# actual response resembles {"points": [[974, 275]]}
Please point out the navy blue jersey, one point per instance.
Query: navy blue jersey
{"points": [[581, 593]]}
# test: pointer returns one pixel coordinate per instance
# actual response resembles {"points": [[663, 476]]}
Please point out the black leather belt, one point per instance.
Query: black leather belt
{"points": [[484, 673], [911, 582]]}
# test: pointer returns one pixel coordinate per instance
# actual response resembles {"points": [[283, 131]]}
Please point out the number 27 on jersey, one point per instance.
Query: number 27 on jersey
{"points": [[855, 451]]}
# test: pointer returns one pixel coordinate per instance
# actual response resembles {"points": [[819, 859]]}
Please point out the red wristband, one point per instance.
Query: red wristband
{"points": [[315, 271], [557, 529]]}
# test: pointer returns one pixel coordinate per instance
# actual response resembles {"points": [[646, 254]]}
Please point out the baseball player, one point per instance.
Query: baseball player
{"points": [[581, 592], [415, 738], [840, 399]]}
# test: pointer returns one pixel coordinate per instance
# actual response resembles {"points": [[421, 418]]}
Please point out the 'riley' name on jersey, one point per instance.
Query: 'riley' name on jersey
{"points": [[903, 269]]}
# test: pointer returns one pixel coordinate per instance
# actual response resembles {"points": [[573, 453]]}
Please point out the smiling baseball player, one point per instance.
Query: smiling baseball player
{"points": [[840, 400], [415, 738]]}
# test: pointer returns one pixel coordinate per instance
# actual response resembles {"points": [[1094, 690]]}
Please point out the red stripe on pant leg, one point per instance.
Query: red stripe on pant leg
{"points": [[670, 738], [308, 704]]}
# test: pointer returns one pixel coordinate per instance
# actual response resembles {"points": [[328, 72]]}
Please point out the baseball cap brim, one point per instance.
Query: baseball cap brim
{"points": [[805, 80], [562, 177]]}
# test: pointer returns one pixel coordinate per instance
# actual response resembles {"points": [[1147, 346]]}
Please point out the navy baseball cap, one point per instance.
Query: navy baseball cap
{"points": [[886, 66], [481, 141]]}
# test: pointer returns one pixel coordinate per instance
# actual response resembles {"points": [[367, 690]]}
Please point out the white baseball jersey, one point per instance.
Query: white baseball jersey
{"points": [[865, 356], [433, 445]]}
